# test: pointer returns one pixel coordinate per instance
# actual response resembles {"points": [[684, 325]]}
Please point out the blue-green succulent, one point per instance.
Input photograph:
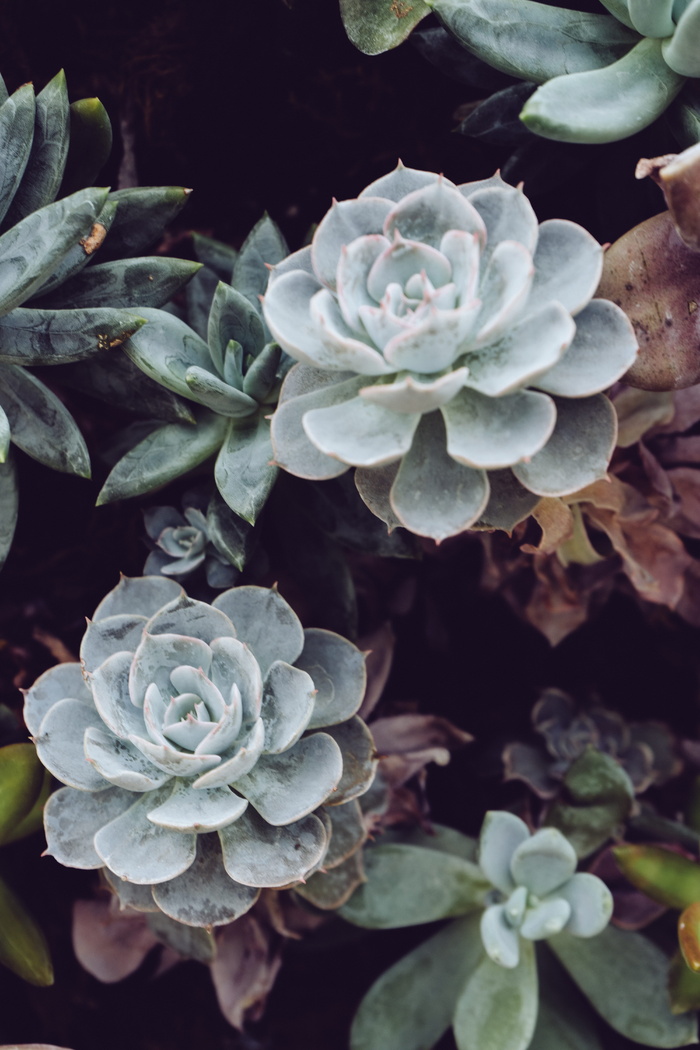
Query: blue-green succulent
{"points": [[450, 350], [208, 751]]}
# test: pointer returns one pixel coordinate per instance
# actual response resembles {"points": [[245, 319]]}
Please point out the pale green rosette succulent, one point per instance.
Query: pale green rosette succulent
{"points": [[208, 750], [526, 927], [450, 350]]}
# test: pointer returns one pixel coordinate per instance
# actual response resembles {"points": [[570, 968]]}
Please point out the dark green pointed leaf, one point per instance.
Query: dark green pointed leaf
{"points": [[112, 377], [78, 257], [604, 105], [90, 144], [165, 454], [16, 134], [375, 26], [9, 503], [216, 255], [413, 1003], [597, 797], [21, 780], [141, 218], [625, 978], [244, 472], [31, 250], [23, 947], [34, 819], [147, 281], [231, 535], [47, 159], [41, 425], [263, 247], [52, 337], [534, 41]]}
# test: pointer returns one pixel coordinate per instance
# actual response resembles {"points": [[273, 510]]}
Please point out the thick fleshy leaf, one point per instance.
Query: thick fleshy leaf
{"points": [[602, 350], [432, 494], [348, 832], [344, 223], [261, 378], [257, 854], [53, 685], [624, 976], [233, 661], [9, 505], [16, 134], [165, 454], [288, 702], [114, 634], [681, 50], [244, 471], [286, 787], [400, 182], [205, 895], [158, 655], [198, 810], [408, 885], [374, 487], [434, 341], [73, 818], [120, 763], [139, 851], [337, 669], [527, 350], [377, 28], [263, 247], [396, 1013], [498, 1008], [501, 940], [21, 782], [564, 1020], [40, 424], [598, 795], [230, 770], [652, 17], [501, 834], [577, 453], [359, 760], [533, 41], [342, 346], [138, 595], [546, 919], [54, 337], [265, 622], [165, 348], [215, 394], [59, 744], [292, 448], [145, 282], [497, 432], [23, 947], [603, 105], [591, 904], [428, 213], [143, 212], [503, 290], [329, 890], [233, 317], [568, 265], [543, 862], [507, 216], [229, 534], [509, 502], [110, 690], [412, 396]]}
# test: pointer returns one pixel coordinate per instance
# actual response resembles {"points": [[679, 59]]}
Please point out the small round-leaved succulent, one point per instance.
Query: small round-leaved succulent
{"points": [[439, 354], [208, 750]]}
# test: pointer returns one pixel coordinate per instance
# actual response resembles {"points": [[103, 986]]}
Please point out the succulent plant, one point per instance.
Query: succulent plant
{"points": [[521, 915], [605, 75], [645, 750], [439, 355], [233, 375], [56, 305], [209, 750]]}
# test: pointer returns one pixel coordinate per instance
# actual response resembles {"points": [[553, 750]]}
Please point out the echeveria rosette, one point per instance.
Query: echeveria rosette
{"points": [[524, 924], [205, 748], [186, 541], [439, 355]]}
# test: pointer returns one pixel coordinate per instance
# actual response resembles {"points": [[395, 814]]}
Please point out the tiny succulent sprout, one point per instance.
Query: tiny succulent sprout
{"points": [[450, 350], [537, 891], [204, 748]]}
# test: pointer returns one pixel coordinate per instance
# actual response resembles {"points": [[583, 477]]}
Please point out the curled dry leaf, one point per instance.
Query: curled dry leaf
{"points": [[244, 969], [678, 175], [110, 944]]}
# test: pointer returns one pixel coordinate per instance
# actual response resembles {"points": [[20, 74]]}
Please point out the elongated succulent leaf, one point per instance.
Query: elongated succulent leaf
{"points": [[41, 426], [215, 255], [80, 254], [90, 144], [263, 247], [412, 1004], [48, 337], [165, 454], [23, 947], [624, 976], [21, 780], [244, 472], [126, 282], [165, 348], [142, 215], [604, 105], [112, 377], [498, 1008], [680, 50], [47, 159], [16, 133], [534, 41], [374, 26], [564, 1021], [9, 504], [229, 533]]}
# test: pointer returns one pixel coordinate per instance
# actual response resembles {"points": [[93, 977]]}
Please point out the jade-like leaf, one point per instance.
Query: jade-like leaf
{"points": [[230, 534], [662, 874], [205, 895], [288, 701], [359, 760], [652, 17], [165, 348], [624, 976], [244, 471], [501, 834], [150, 281], [58, 682], [16, 133], [141, 852], [543, 862], [261, 377], [217, 395], [90, 144], [232, 317], [257, 854], [292, 448], [47, 158], [603, 105], [9, 504], [33, 820], [683, 986], [72, 818], [598, 796], [285, 788], [498, 1007], [534, 41], [413, 1003], [148, 594], [23, 947], [21, 779], [265, 622], [80, 253], [142, 214], [41, 426], [165, 454], [59, 744], [48, 337], [681, 50], [374, 26], [263, 247], [408, 885], [337, 668]]}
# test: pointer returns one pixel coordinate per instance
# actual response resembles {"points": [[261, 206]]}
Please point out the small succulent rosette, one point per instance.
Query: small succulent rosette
{"points": [[185, 541], [522, 918], [439, 354], [208, 750]]}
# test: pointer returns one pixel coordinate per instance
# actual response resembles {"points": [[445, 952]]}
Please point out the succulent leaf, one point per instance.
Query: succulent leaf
{"points": [[244, 471], [16, 134], [47, 159], [498, 1008], [9, 504]]}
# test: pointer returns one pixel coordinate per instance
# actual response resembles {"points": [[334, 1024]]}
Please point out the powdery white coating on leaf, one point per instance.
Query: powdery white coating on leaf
{"points": [[53, 685]]}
